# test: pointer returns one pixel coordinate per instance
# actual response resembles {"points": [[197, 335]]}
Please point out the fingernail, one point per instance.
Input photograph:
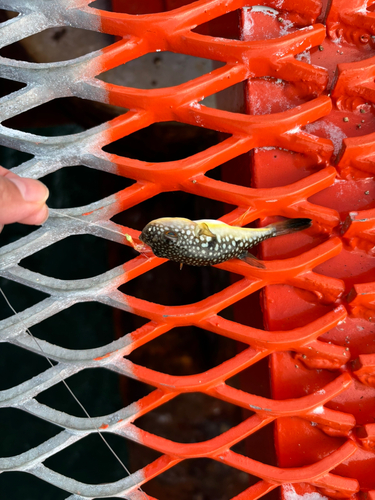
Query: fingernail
{"points": [[30, 189]]}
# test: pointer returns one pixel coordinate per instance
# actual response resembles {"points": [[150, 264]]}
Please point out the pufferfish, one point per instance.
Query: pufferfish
{"points": [[207, 242]]}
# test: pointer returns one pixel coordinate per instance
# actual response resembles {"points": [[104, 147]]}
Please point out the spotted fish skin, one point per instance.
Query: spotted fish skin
{"points": [[207, 242]]}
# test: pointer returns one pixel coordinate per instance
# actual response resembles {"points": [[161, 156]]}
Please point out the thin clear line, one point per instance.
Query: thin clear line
{"points": [[70, 391], [86, 222]]}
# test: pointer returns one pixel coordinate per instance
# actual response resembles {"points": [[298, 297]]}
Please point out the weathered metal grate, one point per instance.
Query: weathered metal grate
{"points": [[140, 35]]}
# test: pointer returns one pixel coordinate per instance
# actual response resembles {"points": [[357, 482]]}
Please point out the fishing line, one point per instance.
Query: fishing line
{"points": [[128, 237], [138, 248], [124, 235]]}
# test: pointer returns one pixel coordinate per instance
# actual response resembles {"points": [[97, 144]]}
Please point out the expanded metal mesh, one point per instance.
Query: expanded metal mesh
{"points": [[140, 35]]}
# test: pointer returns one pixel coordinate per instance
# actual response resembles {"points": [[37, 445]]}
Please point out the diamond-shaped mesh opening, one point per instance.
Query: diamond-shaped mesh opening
{"points": [[174, 204], [177, 286], [58, 44], [157, 70], [295, 166], [3, 11], [224, 99], [20, 296], [274, 494], [11, 157], [15, 485], [30, 365], [259, 446], [291, 246], [139, 8], [9, 86], [16, 425], [362, 409], [358, 271], [255, 379], [84, 462], [72, 106], [70, 329], [198, 477], [188, 350], [99, 4], [292, 313], [355, 191], [93, 258], [78, 185], [191, 418], [133, 390], [225, 26], [169, 141], [229, 171], [314, 379], [297, 447], [250, 306], [341, 335], [127, 322], [96, 389]]}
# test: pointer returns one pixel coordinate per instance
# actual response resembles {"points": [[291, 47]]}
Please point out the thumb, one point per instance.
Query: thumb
{"points": [[22, 200]]}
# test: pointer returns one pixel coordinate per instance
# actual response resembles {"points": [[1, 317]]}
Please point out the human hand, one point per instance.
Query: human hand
{"points": [[21, 200]]}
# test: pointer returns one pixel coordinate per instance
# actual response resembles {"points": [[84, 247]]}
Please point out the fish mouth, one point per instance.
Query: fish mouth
{"points": [[141, 236]]}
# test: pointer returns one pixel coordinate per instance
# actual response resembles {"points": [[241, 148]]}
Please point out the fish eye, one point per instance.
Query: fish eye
{"points": [[171, 235]]}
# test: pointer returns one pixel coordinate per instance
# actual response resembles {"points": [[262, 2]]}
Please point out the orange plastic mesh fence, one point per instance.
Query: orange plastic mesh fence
{"points": [[311, 266]]}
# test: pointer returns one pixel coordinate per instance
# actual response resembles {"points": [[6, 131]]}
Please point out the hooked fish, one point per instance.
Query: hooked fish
{"points": [[207, 242]]}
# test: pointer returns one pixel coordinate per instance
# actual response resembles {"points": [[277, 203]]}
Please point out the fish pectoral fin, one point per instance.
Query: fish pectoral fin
{"points": [[202, 229], [250, 259]]}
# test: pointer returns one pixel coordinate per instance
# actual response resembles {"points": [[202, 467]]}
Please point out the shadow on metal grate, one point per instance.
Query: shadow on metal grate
{"points": [[188, 357]]}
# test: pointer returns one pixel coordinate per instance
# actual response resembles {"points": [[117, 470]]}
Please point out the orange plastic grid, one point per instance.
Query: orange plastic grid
{"points": [[308, 269]]}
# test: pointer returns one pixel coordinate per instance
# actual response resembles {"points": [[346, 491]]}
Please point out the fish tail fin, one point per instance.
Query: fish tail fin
{"points": [[250, 259], [289, 226]]}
